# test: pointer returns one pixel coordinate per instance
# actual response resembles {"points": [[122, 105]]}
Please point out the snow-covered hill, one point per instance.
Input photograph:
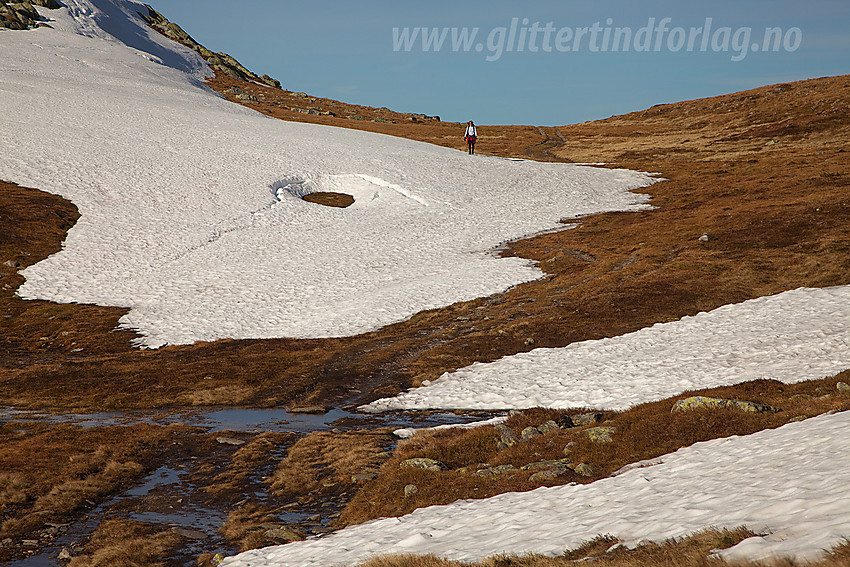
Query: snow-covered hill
{"points": [[191, 209]]}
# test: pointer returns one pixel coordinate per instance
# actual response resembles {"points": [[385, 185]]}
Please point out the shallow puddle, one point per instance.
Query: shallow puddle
{"points": [[168, 496]]}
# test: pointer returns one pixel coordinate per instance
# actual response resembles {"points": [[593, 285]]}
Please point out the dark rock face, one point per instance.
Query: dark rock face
{"points": [[220, 62], [23, 15]]}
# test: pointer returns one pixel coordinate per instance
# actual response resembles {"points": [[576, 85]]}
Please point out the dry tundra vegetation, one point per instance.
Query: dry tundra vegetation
{"points": [[764, 173]]}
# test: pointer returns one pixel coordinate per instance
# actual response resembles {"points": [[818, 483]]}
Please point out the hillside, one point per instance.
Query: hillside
{"points": [[753, 202], [764, 173]]}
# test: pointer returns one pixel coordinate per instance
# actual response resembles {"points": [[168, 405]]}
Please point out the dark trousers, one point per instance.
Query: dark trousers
{"points": [[471, 143]]}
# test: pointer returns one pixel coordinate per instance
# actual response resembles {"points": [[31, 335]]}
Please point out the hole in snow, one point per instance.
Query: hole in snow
{"points": [[330, 199]]}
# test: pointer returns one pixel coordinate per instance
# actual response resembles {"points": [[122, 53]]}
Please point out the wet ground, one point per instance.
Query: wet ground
{"points": [[172, 497]]}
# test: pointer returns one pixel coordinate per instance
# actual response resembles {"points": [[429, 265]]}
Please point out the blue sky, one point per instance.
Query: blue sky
{"points": [[347, 51]]}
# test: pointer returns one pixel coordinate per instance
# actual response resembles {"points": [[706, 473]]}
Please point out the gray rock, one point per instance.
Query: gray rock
{"points": [[363, 477], [548, 474], [64, 555], [843, 387], [586, 418], [492, 471], [410, 490], [529, 433], [549, 427], [229, 441], [583, 469], [601, 434], [547, 465], [12, 263], [703, 238], [423, 463], [569, 447], [507, 437], [189, 534], [705, 402], [284, 533]]}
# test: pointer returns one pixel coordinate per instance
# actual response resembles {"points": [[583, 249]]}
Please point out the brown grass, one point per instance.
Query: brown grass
{"points": [[643, 432], [259, 452], [126, 543], [244, 526], [777, 215], [692, 551], [323, 462], [54, 472]]}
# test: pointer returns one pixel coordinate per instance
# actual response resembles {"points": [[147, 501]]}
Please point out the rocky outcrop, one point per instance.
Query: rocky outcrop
{"points": [[23, 15], [220, 62], [423, 463], [704, 402]]}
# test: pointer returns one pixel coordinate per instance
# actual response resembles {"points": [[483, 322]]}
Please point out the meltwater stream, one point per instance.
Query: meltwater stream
{"points": [[195, 520]]}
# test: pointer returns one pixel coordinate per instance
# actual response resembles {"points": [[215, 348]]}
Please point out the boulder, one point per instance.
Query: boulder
{"points": [[586, 418], [491, 471], [548, 427], [569, 447], [583, 469], [842, 387], [507, 437], [705, 402], [284, 534], [265, 79], [547, 465], [601, 434], [410, 490], [363, 477], [423, 463], [529, 433], [548, 474]]}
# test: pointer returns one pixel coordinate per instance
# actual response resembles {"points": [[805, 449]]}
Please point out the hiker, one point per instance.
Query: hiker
{"points": [[470, 136]]}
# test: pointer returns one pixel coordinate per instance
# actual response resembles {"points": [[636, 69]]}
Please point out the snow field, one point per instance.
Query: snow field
{"points": [[798, 335], [790, 483], [191, 209]]}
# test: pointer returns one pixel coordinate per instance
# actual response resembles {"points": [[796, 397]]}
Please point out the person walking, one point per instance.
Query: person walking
{"points": [[470, 136]]}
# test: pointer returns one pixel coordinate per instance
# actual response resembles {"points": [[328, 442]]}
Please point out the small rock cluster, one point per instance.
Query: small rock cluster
{"points": [[704, 402], [221, 62], [541, 470], [23, 15]]}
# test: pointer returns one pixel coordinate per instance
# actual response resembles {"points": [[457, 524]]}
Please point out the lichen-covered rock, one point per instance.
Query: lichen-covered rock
{"points": [[410, 490], [284, 534], [601, 434], [507, 437], [546, 465], [548, 427], [586, 418], [529, 433], [843, 387], [705, 402], [547, 474], [265, 79], [423, 463], [569, 447], [583, 469], [491, 471]]}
